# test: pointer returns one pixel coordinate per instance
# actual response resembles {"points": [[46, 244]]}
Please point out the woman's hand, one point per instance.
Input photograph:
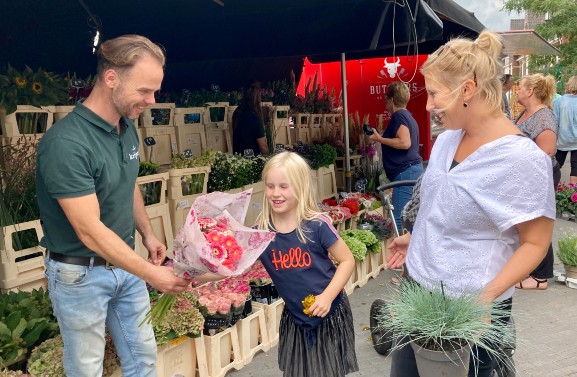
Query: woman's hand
{"points": [[374, 136], [398, 251]]}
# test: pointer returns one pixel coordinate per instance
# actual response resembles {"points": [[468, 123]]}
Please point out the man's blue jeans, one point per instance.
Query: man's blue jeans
{"points": [[84, 299], [402, 194]]}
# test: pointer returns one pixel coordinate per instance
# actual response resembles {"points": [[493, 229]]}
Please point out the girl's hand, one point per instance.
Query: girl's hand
{"points": [[321, 306], [398, 251]]}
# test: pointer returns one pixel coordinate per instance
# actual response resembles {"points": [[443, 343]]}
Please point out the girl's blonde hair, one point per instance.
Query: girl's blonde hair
{"points": [[543, 86], [298, 173], [462, 59]]}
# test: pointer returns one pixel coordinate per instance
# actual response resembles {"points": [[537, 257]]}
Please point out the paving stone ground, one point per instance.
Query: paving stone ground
{"points": [[546, 323]]}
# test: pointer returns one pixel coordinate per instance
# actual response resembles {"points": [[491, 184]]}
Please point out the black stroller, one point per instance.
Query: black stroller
{"points": [[382, 338]]}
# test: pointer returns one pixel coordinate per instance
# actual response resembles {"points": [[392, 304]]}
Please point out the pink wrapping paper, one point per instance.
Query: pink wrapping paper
{"points": [[193, 255]]}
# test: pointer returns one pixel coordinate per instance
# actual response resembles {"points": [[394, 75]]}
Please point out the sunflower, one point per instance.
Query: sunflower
{"points": [[37, 87], [20, 81]]}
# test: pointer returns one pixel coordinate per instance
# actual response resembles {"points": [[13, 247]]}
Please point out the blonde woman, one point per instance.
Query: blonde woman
{"points": [[320, 340], [484, 223], [538, 122]]}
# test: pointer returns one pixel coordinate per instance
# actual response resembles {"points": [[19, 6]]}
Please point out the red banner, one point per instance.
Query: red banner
{"points": [[367, 80]]}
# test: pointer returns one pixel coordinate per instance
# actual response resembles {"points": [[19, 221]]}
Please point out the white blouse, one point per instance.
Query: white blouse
{"points": [[465, 230]]}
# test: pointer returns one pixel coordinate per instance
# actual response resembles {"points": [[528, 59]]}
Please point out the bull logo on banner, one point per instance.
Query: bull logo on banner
{"points": [[391, 68]]}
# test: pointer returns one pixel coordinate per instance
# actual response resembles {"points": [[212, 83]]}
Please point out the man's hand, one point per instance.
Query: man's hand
{"points": [[398, 251], [156, 250], [164, 280]]}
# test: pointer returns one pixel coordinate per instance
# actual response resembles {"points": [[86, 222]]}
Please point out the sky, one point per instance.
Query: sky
{"points": [[489, 13]]}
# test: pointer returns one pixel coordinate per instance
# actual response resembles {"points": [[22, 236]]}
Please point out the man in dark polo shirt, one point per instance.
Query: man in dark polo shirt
{"points": [[90, 206]]}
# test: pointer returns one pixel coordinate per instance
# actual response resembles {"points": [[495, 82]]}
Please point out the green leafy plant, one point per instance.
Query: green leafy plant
{"points": [[566, 198], [150, 191], [26, 320], [438, 322], [568, 249], [366, 237], [234, 171]]}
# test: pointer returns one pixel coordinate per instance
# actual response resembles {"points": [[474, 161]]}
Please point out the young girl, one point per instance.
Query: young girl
{"points": [[322, 341]]}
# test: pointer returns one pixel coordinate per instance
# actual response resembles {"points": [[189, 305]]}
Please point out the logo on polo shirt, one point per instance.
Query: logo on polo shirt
{"points": [[134, 154]]}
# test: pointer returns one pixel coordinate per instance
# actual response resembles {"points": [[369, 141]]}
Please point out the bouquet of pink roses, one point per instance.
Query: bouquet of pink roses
{"points": [[213, 239]]}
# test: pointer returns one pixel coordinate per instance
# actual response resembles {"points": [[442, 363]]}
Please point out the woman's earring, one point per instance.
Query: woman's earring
{"points": [[465, 104]]}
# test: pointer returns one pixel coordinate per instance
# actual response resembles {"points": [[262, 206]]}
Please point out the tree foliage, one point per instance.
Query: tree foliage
{"points": [[561, 25]]}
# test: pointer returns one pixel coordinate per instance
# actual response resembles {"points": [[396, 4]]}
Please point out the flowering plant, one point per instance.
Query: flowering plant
{"points": [[257, 274], [183, 318], [307, 303], [46, 359], [213, 239], [38, 88], [566, 198], [352, 204]]}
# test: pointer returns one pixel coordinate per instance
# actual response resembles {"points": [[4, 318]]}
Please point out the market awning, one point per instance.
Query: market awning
{"points": [[526, 42], [204, 39]]}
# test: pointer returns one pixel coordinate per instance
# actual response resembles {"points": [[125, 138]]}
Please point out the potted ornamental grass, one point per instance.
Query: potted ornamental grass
{"points": [[443, 329], [567, 254]]}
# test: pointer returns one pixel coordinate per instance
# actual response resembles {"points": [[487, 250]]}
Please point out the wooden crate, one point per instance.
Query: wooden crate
{"points": [[160, 220], [352, 282], [218, 137], [255, 206], [216, 114], [273, 313], [300, 131], [9, 122], [281, 124], [325, 180], [191, 137], [223, 352], [253, 335], [152, 115], [373, 264], [187, 116], [229, 114], [161, 178], [21, 269], [166, 145], [179, 203], [179, 357], [331, 123], [61, 111], [315, 126]]}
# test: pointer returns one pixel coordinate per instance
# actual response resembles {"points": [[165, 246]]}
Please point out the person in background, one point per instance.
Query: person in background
{"points": [[565, 110], [483, 223], [247, 122], [538, 122], [400, 145], [507, 82], [320, 340], [90, 205]]}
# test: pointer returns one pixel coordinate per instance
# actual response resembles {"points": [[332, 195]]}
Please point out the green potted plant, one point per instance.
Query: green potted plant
{"points": [[566, 200], [26, 320], [567, 254], [442, 328]]}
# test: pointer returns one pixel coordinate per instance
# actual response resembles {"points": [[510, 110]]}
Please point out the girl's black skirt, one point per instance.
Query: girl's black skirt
{"points": [[332, 353]]}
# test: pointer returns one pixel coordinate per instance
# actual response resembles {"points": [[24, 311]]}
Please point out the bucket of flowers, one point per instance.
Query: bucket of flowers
{"points": [[566, 200]]}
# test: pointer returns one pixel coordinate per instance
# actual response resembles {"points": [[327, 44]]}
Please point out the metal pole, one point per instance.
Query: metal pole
{"points": [[346, 120]]}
